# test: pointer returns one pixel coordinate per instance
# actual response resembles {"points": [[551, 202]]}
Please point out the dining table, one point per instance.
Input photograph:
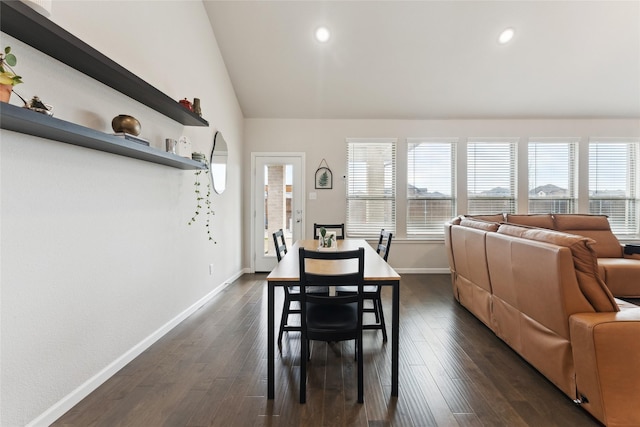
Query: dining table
{"points": [[376, 272]]}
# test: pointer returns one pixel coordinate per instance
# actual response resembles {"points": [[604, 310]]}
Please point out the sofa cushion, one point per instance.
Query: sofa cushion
{"points": [[584, 260], [534, 220], [595, 227], [491, 218], [580, 222], [621, 276], [479, 224]]}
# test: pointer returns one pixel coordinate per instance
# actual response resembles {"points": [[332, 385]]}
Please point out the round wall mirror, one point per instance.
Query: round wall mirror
{"points": [[218, 163]]}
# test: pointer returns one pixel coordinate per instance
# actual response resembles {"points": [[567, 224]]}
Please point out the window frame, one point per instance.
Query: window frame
{"points": [[572, 199], [512, 199], [629, 224], [433, 228], [360, 229]]}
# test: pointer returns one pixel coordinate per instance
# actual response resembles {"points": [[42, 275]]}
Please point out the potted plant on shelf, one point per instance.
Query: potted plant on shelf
{"points": [[8, 78]]}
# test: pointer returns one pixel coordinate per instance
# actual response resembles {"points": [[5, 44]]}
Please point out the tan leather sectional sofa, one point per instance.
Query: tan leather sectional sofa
{"points": [[544, 292]]}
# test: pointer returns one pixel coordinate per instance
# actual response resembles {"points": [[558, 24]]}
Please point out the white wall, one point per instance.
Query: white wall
{"points": [[97, 259], [326, 139]]}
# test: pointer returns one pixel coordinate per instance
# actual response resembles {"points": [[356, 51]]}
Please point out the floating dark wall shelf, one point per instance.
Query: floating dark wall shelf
{"points": [[25, 121], [20, 21]]}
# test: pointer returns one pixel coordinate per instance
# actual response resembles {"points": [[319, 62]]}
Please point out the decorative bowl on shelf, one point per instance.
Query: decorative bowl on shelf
{"points": [[126, 124]]}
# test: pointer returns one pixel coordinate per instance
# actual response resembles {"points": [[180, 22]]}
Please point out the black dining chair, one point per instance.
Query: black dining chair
{"points": [[338, 228], [331, 318], [374, 293], [291, 293]]}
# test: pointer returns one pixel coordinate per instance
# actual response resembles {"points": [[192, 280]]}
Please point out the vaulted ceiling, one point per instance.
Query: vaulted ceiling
{"points": [[432, 59]]}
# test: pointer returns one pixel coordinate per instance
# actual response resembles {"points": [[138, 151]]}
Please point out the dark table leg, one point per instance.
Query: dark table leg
{"points": [[395, 339], [270, 341]]}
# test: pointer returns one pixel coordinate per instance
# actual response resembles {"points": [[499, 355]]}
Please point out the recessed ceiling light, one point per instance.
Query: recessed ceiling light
{"points": [[506, 36], [323, 34]]}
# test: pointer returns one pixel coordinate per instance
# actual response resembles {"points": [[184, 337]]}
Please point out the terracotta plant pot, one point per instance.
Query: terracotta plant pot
{"points": [[5, 92]]}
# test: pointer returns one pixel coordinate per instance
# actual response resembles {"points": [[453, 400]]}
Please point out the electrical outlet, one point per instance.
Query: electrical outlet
{"points": [[210, 269]]}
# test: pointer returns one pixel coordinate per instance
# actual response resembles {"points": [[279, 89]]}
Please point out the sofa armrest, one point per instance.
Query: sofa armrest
{"points": [[606, 354]]}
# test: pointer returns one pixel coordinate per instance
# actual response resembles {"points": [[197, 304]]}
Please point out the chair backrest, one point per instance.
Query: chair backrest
{"points": [[331, 318], [338, 228], [280, 244], [384, 244], [332, 271]]}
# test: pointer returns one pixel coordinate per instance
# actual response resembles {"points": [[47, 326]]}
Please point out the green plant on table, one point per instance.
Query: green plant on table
{"points": [[7, 75], [327, 242]]}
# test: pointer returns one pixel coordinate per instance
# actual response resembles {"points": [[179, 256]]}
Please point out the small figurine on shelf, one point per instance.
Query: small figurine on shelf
{"points": [[196, 106], [35, 104], [186, 104]]}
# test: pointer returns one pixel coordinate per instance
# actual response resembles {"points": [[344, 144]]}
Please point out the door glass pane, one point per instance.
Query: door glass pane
{"points": [[277, 204]]}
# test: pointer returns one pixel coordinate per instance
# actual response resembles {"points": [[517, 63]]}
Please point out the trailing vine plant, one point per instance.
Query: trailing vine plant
{"points": [[200, 200]]}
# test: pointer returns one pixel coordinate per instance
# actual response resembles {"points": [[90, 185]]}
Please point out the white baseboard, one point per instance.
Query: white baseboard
{"points": [[49, 416], [65, 404]]}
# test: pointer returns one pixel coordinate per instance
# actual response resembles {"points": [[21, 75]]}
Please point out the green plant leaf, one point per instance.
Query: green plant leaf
{"points": [[10, 59], [7, 49], [6, 79]]}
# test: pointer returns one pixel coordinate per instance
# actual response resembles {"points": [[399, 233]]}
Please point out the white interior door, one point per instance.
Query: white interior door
{"points": [[278, 199]]}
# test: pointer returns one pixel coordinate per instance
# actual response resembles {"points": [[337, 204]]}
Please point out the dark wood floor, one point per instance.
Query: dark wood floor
{"points": [[211, 371]]}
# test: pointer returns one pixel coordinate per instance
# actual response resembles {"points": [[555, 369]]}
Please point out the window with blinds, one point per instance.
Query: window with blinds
{"points": [[552, 175], [491, 176], [431, 166], [371, 186], [613, 175]]}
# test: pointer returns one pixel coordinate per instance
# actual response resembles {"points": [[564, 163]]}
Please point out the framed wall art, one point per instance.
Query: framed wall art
{"points": [[324, 176]]}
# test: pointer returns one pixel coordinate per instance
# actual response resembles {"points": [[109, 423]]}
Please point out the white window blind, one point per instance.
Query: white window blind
{"points": [[613, 175], [491, 176], [371, 186], [431, 166], [552, 176]]}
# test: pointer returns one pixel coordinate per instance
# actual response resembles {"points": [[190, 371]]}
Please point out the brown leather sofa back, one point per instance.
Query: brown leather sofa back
{"points": [[532, 220], [472, 283], [585, 262], [620, 272], [596, 227], [524, 274]]}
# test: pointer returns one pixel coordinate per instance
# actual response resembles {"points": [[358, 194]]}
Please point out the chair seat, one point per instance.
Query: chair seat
{"points": [[315, 290], [354, 289], [372, 293], [332, 317]]}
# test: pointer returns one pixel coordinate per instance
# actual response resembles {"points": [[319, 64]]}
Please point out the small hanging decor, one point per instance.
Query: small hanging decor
{"points": [[203, 198], [324, 177]]}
